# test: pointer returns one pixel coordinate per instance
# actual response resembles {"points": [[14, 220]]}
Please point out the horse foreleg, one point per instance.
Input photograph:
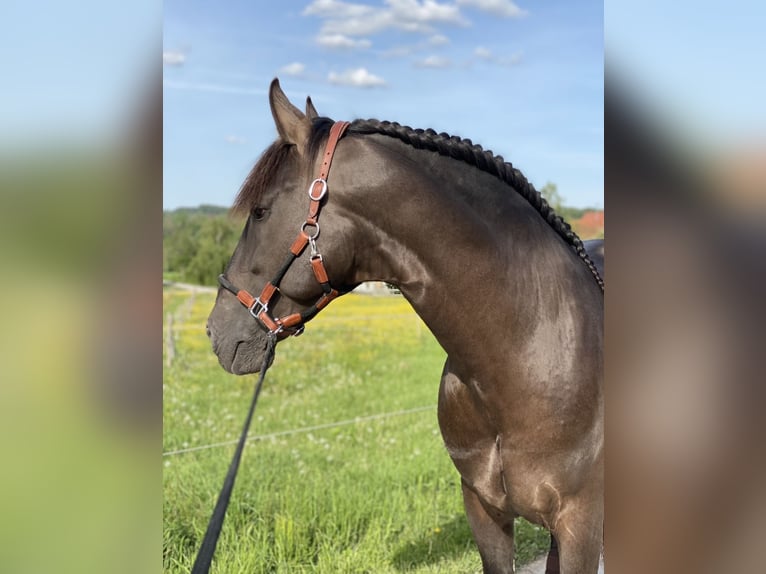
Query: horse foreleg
{"points": [[552, 563], [579, 532], [492, 532]]}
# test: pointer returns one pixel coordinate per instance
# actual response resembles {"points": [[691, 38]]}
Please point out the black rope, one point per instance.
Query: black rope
{"points": [[207, 548]]}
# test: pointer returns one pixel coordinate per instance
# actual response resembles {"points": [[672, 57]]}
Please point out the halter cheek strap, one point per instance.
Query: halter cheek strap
{"points": [[309, 232]]}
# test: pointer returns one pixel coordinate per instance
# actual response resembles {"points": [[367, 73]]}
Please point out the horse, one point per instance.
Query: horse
{"points": [[505, 286]]}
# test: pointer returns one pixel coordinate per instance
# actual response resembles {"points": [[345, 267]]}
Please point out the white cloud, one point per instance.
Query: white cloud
{"points": [[365, 26], [349, 19], [511, 60], [504, 8], [232, 139], [337, 9], [438, 40], [293, 69], [170, 58], [427, 11], [342, 41], [398, 51], [358, 77], [483, 53], [434, 62], [486, 54], [433, 41]]}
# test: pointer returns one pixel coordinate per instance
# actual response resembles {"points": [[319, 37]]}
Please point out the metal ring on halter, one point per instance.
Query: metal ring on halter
{"points": [[321, 193], [316, 233]]}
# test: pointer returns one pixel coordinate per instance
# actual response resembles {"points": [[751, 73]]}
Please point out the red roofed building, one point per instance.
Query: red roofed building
{"points": [[590, 225]]}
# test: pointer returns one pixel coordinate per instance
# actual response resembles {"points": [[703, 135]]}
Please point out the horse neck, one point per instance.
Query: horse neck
{"points": [[471, 255]]}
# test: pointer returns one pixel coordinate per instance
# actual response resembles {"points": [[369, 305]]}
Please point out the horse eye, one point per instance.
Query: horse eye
{"points": [[259, 213]]}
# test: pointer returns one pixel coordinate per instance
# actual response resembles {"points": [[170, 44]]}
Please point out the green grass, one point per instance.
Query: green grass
{"points": [[376, 495]]}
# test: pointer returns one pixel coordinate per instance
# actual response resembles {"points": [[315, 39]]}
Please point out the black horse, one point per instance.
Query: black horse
{"points": [[506, 287]]}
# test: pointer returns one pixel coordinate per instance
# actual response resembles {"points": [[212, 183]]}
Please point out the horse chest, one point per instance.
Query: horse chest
{"points": [[510, 482]]}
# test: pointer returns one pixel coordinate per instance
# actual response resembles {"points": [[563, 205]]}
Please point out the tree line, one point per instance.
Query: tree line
{"points": [[197, 243]]}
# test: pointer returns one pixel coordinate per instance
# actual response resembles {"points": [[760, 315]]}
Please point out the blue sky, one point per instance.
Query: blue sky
{"points": [[699, 68], [524, 79], [73, 72]]}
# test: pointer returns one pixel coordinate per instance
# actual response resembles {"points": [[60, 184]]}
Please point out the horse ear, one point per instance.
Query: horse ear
{"points": [[311, 111], [293, 126]]}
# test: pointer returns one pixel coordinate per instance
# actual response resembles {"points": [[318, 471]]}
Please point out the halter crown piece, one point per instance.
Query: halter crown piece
{"points": [[259, 306]]}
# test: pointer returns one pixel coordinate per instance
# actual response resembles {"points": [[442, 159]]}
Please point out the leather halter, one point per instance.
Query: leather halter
{"points": [[259, 306]]}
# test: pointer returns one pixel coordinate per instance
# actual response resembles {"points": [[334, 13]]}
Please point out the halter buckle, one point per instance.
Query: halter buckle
{"points": [[323, 191], [258, 307]]}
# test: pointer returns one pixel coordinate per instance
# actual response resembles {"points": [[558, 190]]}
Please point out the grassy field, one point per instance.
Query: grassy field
{"points": [[372, 494]]}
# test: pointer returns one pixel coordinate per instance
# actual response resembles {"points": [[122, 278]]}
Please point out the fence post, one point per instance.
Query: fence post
{"points": [[170, 346]]}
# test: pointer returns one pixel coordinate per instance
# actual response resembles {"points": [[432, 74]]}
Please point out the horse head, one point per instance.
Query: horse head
{"points": [[282, 254]]}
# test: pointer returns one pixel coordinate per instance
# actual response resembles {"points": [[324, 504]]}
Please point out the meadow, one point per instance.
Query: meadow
{"points": [[346, 472]]}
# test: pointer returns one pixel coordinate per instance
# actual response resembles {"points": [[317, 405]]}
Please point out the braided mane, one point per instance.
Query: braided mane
{"points": [[473, 154]]}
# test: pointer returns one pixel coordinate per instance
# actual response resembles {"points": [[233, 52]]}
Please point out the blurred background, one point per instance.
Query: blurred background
{"points": [[81, 252], [685, 168]]}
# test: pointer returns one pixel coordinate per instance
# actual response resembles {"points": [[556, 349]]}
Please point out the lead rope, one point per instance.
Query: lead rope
{"points": [[207, 548]]}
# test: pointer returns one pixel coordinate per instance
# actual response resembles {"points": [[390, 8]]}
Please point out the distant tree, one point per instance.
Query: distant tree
{"points": [[179, 239], [550, 193], [215, 243], [198, 242], [570, 214]]}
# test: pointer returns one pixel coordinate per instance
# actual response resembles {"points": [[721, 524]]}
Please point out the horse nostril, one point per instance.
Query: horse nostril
{"points": [[207, 329]]}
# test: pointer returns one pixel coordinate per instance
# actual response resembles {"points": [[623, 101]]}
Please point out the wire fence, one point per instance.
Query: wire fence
{"points": [[355, 420]]}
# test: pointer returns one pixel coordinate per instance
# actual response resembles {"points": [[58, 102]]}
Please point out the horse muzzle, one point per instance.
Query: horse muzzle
{"points": [[239, 353]]}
